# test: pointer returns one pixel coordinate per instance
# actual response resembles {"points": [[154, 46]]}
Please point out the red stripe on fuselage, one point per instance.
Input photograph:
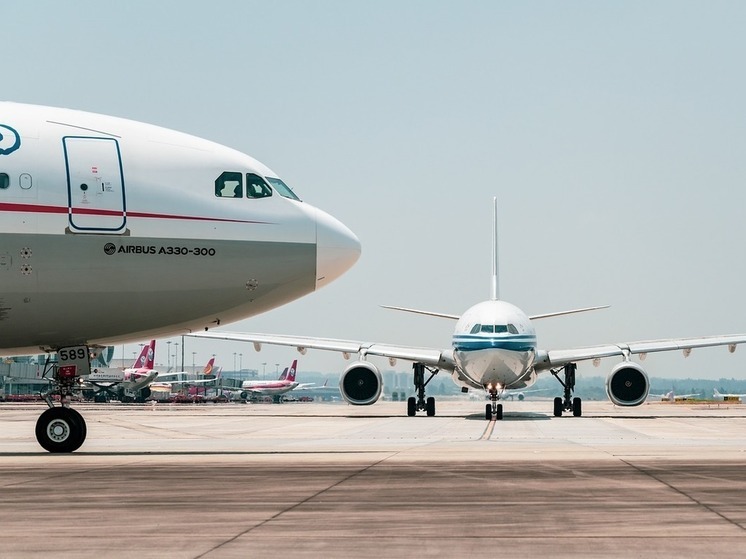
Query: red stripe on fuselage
{"points": [[41, 209]]}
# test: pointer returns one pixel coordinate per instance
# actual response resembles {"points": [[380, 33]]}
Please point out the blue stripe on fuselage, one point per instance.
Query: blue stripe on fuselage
{"points": [[511, 343]]}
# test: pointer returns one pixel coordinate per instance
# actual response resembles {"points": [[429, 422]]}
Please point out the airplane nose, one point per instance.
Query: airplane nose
{"points": [[337, 248]]}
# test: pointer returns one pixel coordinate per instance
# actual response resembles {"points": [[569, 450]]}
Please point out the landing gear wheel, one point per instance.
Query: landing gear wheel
{"points": [[577, 407], [499, 412], [430, 406], [558, 407], [60, 430], [488, 412], [411, 406]]}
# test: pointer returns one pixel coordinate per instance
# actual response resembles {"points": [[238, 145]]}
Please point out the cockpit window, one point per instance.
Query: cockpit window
{"points": [[282, 189], [256, 187], [229, 185], [494, 328]]}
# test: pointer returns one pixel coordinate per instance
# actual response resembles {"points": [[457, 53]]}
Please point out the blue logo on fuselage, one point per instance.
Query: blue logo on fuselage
{"points": [[10, 140]]}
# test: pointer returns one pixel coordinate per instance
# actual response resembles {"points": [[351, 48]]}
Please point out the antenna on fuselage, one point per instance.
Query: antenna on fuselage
{"points": [[495, 295]]}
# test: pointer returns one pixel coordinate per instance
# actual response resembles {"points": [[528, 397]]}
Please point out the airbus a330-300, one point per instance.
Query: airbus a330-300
{"points": [[110, 231]]}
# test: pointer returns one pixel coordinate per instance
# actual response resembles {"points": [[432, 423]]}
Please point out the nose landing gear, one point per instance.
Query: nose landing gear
{"points": [[61, 428], [493, 409]]}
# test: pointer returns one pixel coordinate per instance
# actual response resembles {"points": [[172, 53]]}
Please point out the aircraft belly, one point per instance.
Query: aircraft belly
{"points": [[125, 288], [499, 367]]}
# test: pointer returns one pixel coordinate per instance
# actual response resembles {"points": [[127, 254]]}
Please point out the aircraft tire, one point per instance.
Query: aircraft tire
{"points": [[60, 430], [430, 406], [499, 414], [558, 407], [488, 412], [411, 406], [577, 407]]}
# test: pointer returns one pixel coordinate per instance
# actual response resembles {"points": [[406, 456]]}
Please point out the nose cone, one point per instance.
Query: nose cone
{"points": [[337, 248]]}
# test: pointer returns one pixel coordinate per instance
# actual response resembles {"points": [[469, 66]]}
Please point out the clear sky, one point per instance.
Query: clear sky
{"points": [[613, 134]]}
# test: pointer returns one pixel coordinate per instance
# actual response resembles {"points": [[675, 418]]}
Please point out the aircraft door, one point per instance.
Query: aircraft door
{"points": [[95, 184]]}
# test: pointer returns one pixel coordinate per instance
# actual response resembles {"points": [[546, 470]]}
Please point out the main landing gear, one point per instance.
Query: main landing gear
{"points": [[568, 403], [61, 428], [493, 409], [420, 403]]}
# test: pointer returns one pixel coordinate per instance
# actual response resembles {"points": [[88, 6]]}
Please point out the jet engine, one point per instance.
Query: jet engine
{"points": [[627, 384], [361, 384]]}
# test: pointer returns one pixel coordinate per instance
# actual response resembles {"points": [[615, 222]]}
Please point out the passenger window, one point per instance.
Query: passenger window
{"points": [[256, 187], [476, 328], [229, 185], [4, 181]]}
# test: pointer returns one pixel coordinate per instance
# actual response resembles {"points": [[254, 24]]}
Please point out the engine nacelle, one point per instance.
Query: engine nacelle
{"points": [[361, 384], [627, 384]]}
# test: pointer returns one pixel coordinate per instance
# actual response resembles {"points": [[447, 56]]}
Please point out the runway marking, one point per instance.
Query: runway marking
{"points": [[684, 494], [488, 430], [296, 505]]}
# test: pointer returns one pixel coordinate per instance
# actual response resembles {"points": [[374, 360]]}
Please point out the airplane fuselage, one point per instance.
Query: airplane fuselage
{"points": [[494, 345], [111, 230], [269, 387]]}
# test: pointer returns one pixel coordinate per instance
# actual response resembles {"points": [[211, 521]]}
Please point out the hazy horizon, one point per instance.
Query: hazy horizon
{"points": [[611, 133]]}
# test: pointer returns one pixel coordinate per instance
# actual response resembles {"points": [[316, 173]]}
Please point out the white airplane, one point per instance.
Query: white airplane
{"points": [[494, 348], [716, 395], [128, 382], [208, 370], [110, 232], [671, 396], [284, 384]]}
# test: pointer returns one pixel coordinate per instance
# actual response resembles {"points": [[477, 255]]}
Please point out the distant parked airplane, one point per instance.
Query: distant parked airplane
{"points": [[727, 397], [284, 384], [129, 382]]}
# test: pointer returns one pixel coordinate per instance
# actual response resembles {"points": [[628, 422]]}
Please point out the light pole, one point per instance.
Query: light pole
{"points": [[240, 361], [168, 353], [264, 371], [277, 369], [176, 357], [193, 354]]}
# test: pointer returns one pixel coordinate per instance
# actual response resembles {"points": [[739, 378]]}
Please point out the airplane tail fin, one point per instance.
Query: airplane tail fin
{"points": [[209, 367], [716, 393], [291, 371], [495, 291], [146, 359], [284, 374]]}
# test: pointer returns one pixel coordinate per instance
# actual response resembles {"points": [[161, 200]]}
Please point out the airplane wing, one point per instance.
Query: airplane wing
{"points": [[200, 381], [557, 357], [442, 359]]}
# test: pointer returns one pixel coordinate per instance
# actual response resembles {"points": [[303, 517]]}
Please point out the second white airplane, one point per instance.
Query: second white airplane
{"points": [[494, 348]]}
